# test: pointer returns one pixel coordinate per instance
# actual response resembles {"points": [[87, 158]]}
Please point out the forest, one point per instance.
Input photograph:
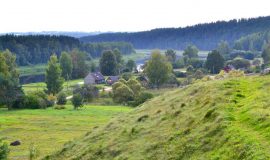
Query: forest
{"points": [[36, 49], [204, 36]]}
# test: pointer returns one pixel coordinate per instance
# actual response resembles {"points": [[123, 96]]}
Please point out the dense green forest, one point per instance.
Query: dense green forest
{"points": [[204, 36], [253, 42], [35, 49]]}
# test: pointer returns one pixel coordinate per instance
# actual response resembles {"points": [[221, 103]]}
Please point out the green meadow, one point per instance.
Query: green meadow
{"points": [[48, 129]]}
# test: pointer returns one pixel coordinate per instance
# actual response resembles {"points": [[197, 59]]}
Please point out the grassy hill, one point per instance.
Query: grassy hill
{"points": [[221, 119]]}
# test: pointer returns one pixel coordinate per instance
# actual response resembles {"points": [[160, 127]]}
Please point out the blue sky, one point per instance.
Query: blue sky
{"points": [[121, 15]]}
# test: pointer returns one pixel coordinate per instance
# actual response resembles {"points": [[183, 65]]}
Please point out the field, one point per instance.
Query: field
{"points": [[218, 119], [47, 130], [41, 85]]}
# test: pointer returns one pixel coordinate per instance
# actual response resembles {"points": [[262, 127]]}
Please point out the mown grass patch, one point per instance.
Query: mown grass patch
{"points": [[49, 129]]}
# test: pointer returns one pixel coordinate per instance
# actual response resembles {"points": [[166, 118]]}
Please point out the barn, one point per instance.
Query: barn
{"points": [[94, 78]]}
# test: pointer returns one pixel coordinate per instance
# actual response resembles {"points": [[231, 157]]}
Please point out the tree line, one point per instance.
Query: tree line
{"points": [[204, 36], [35, 49]]}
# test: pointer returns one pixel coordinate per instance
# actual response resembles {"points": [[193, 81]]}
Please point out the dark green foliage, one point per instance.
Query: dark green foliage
{"points": [[80, 68], [170, 55], [180, 74], [204, 36], [3, 150], [36, 49], [214, 62], [141, 98], [96, 49], [77, 101], [61, 98], [253, 42], [266, 54], [33, 102], [195, 62], [108, 63], [66, 65], [53, 78], [10, 91], [131, 65], [239, 63], [88, 92]]}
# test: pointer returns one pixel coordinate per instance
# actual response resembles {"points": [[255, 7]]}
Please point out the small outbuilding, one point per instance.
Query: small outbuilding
{"points": [[112, 79], [94, 78]]}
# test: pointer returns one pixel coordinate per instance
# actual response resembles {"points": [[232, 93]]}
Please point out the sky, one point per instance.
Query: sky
{"points": [[121, 15]]}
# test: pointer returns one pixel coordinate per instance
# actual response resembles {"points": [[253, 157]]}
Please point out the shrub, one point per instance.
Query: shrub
{"points": [[180, 74], [88, 92], [77, 101], [34, 102], [126, 76], [143, 97], [135, 86], [123, 94], [3, 150], [59, 107], [198, 74], [61, 98], [51, 100]]}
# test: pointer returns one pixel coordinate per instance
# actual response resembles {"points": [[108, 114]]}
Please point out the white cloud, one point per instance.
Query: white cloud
{"points": [[121, 15]]}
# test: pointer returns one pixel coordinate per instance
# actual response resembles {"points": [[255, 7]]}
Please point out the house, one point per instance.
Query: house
{"points": [[94, 78], [112, 79]]}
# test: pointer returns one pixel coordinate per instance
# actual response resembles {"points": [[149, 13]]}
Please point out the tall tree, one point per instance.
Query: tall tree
{"points": [[119, 60], [171, 55], [131, 65], [108, 63], [158, 69], [80, 68], [191, 52], [10, 90], [266, 54], [66, 65], [53, 78], [223, 48], [214, 62]]}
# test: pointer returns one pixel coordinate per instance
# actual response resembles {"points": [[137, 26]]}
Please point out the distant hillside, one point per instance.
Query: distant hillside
{"points": [[55, 33], [253, 42], [36, 49], [221, 119], [204, 36]]}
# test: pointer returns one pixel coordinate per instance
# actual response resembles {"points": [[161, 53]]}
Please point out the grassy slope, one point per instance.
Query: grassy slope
{"points": [[49, 129], [226, 119]]}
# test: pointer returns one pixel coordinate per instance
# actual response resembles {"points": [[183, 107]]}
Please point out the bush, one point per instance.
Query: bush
{"points": [[3, 150], [135, 86], [88, 92], [77, 101], [239, 63], [143, 97], [34, 102], [126, 76], [59, 107], [61, 98], [180, 74], [51, 100], [198, 74], [123, 94]]}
